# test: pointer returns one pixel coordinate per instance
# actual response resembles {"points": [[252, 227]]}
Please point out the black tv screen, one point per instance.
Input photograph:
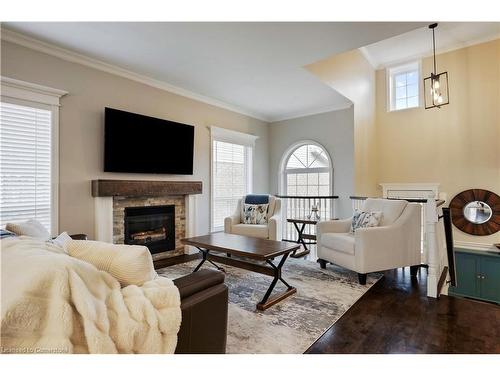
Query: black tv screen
{"points": [[141, 144]]}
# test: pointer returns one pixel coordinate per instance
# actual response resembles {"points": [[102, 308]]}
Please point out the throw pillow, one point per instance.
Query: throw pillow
{"points": [[129, 264], [362, 219], [255, 213], [32, 228]]}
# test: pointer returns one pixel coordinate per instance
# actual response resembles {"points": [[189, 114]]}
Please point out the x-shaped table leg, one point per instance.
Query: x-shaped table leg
{"points": [[265, 303], [204, 253]]}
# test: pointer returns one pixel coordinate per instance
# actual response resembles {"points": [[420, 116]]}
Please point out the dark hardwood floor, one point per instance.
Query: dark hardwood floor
{"points": [[395, 316]]}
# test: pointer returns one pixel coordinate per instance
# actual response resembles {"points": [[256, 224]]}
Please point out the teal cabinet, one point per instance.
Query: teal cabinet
{"points": [[478, 275], [490, 278]]}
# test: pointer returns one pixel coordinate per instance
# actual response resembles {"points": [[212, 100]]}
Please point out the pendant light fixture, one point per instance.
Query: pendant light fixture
{"points": [[436, 92]]}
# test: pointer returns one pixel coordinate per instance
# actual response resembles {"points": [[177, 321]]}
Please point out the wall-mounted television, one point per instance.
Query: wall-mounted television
{"points": [[136, 143]]}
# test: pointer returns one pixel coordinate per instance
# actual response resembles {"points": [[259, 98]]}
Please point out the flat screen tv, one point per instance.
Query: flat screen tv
{"points": [[136, 143]]}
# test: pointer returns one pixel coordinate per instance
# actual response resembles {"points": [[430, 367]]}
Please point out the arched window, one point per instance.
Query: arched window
{"points": [[307, 171], [306, 179]]}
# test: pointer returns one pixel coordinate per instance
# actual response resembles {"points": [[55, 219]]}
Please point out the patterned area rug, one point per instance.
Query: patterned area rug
{"points": [[292, 325]]}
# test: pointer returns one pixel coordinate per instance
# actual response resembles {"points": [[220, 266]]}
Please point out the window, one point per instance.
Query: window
{"points": [[25, 155], [28, 153], [404, 86], [231, 172], [307, 172]]}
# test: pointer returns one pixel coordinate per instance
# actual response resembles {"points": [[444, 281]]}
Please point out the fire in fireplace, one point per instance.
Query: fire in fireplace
{"points": [[152, 226]]}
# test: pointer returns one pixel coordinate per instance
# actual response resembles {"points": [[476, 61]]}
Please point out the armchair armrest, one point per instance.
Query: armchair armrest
{"points": [[233, 219], [332, 226], [198, 281], [275, 227], [204, 305], [230, 221]]}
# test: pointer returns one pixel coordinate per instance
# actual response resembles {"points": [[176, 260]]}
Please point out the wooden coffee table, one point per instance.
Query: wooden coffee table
{"points": [[253, 249]]}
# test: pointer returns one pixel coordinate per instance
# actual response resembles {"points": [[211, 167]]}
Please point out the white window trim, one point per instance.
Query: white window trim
{"points": [[400, 68], [30, 94], [230, 136]]}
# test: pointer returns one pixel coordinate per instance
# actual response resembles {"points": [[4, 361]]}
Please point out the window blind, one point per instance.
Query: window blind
{"points": [[25, 164], [229, 179]]}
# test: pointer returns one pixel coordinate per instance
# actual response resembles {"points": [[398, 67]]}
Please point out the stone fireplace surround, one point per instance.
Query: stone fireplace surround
{"points": [[112, 196]]}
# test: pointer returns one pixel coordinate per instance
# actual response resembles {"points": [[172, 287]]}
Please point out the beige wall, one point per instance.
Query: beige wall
{"points": [[81, 129], [352, 76], [457, 145]]}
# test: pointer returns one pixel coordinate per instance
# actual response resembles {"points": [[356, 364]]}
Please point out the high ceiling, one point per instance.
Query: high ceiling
{"points": [[418, 42], [254, 68]]}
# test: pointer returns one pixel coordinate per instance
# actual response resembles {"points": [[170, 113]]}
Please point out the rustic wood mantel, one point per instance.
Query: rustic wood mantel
{"points": [[138, 188]]}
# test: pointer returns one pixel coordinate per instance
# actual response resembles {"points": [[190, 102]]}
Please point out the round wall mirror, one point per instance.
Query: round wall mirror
{"points": [[476, 211]]}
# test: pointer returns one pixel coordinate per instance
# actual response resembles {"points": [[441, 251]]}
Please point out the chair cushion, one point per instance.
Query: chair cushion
{"points": [[251, 230], [255, 213], [391, 209], [343, 242]]}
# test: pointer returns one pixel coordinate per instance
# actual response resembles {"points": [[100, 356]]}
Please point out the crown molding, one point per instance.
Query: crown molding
{"points": [[16, 89], [71, 56], [420, 56], [312, 112]]}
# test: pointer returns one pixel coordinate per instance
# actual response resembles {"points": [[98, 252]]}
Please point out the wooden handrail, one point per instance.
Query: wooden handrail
{"points": [[439, 202], [308, 196], [357, 197]]}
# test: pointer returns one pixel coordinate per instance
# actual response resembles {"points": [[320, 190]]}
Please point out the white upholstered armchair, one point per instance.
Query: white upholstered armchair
{"points": [[272, 230], [393, 244]]}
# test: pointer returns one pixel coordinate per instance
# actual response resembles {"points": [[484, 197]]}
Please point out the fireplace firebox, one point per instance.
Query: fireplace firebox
{"points": [[151, 226]]}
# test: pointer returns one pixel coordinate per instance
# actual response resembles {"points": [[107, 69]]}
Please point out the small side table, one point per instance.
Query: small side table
{"points": [[303, 236]]}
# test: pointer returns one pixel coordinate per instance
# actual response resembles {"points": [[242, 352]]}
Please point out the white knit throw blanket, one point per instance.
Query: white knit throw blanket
{"points": [[54, 303]]}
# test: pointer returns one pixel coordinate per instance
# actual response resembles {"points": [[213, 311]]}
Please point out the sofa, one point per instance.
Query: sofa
{"points": [[394, 243], [204, 305], [194, 320], [272, 230]]}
